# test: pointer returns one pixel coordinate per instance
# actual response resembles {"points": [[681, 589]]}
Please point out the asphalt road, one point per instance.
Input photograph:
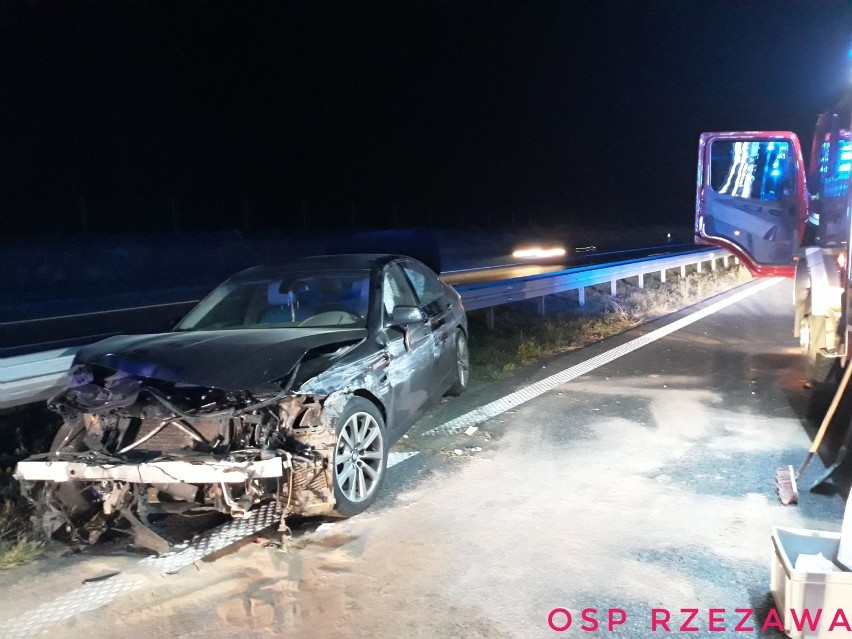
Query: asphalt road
{"points": [[644, 482]]}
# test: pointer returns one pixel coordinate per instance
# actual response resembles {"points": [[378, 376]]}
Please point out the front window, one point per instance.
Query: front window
{"points": [[395, 290], [752, 169], [426, 285], [327, 299]]}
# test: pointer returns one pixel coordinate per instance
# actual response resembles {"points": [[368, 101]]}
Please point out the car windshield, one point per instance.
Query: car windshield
{"points": [[302, 299]]}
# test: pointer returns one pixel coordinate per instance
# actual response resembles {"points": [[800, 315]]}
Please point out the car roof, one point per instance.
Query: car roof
{"points": [[351, 262]]}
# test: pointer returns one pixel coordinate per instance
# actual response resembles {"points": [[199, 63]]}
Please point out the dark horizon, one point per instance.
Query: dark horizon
{"points": [[205, 116]]}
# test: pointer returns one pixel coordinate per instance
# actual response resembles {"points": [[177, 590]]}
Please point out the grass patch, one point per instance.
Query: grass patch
{"points": [[19, 544], [522, 336]]}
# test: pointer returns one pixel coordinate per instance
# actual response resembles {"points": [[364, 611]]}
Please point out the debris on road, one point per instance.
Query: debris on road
{"points": [[103, 577], [785, 479]]}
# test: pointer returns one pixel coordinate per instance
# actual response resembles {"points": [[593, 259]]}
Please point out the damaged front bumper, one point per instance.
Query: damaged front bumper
{"points": [[209, 471], [138, 459]]}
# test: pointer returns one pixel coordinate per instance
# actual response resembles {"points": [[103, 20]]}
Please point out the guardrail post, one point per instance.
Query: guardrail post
{"points": [[713, 264], [683, 270], [737, 261], [725, 261], [489, 318], [641, 280], [612, 289], [581, 295], [698, 267], [663, 276], [541, 307]]}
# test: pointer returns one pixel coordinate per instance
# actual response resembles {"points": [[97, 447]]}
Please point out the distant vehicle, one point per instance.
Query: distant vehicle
{"points": [[755, 198], [538, 252], [286, 382]]}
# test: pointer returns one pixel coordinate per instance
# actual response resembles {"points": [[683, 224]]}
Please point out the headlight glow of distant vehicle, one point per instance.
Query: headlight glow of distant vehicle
{"points": [[538, 252]]}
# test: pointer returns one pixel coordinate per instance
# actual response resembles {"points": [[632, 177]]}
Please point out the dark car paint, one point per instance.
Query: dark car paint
{"points": [[227, 359], [404, 380]]}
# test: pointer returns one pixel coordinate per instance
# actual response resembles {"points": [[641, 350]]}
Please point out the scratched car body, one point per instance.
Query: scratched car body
{"points": [[286, 382]]}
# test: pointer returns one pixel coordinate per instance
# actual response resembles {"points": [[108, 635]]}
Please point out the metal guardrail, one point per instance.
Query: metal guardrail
{"points": [[34, 377], [30, 378], [489, 295]]}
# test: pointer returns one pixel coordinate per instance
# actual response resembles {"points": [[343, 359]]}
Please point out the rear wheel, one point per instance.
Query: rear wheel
{"points": [[462, 366], [360, 457]]}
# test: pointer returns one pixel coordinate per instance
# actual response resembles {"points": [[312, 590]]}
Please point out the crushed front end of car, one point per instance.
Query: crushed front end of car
{"points": [[132, 448]]}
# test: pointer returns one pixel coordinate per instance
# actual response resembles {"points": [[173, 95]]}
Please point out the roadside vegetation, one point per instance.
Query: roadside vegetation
{"points": [[19, 543], [521, 336]]}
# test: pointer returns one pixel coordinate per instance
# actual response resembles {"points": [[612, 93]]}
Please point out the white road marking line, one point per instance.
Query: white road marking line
{"points": [[90, 596], [396, 457], [522, 395], [103, 312], [214, 540], [94, 595]]}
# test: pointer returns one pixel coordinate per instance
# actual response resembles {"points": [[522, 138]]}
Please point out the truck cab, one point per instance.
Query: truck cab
{"points": [[756, 198]]}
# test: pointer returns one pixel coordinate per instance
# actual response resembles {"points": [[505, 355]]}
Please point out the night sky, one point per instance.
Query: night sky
{"points": [[143, 116]]}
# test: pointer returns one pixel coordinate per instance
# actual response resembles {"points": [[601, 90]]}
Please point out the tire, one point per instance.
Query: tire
{"points": [[811, 336], [360, 457], [462, 373]]}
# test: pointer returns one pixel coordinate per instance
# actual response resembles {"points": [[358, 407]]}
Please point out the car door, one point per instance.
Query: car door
{"points": [[751, 197], [410, 351], [439, 312]]}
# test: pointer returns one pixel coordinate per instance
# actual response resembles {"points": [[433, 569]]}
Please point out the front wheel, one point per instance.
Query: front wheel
{"points": [[360, 457]]}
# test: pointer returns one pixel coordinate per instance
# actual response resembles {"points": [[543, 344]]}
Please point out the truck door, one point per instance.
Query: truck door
{"points": [[751, 197]]}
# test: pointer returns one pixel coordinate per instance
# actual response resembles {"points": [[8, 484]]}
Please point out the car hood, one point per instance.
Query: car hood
{"points": [[231, 360]]}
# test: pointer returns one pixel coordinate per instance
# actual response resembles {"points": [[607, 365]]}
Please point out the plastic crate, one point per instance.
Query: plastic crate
{"points": [[800, 590]]}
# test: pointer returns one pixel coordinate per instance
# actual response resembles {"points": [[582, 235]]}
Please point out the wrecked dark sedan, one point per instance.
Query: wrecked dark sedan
{"points": [[286, 382]]}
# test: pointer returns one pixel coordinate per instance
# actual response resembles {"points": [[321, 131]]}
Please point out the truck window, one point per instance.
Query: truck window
{"points": [[830, 193], [752, 169]]}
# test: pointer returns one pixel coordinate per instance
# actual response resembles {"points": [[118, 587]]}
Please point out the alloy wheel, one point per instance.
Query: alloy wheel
{"points": [[358, 457]]}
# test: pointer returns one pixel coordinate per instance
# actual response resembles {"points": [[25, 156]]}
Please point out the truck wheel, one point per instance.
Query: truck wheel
{"points": [[812, 337], [360, 457]]}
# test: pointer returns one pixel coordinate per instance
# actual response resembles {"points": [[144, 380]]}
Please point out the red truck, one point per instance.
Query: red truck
{"points": [[756, 198]]}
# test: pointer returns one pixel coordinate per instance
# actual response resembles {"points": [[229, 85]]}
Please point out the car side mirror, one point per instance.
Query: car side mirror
{"points": [[405, 315]]}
